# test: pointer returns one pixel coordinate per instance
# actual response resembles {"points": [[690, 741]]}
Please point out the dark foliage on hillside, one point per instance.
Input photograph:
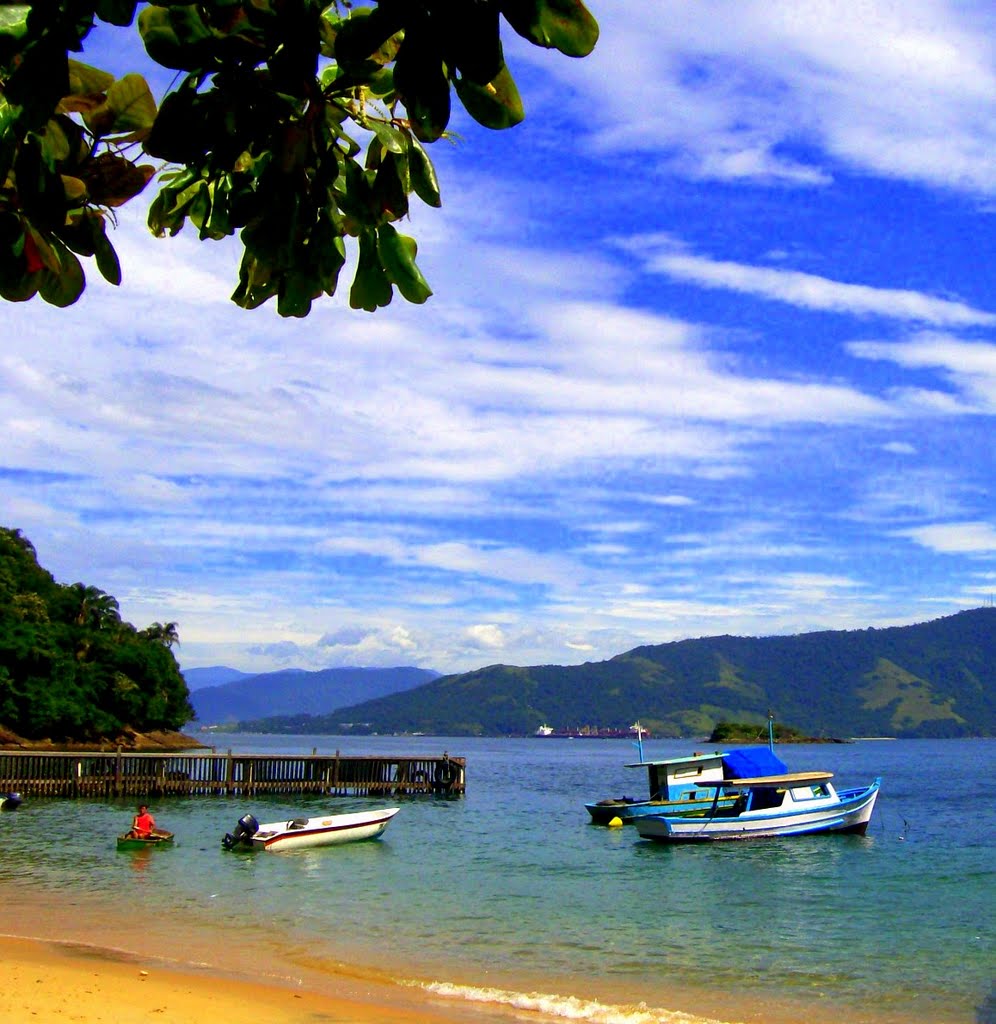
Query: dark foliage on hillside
{"points": [[70, 668], [297, 692], [935, 679]]}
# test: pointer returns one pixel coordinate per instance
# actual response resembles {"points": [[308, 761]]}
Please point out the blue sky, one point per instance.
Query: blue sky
{"points": [[711, 351]]}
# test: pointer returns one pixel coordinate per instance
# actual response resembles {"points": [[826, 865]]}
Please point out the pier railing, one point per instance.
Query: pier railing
{"points": [[35, 773]]}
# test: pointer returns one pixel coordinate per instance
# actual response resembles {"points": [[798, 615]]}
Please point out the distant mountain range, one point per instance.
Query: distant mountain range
{"points": [[935, 679], [291, 692], [216, 675]]}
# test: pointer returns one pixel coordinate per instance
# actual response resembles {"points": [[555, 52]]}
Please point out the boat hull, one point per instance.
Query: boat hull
{"points": [[849, 812], [328, 830]]}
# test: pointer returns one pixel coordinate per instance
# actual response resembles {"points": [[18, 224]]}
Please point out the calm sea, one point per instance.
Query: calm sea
{"points": [[509, 897]]}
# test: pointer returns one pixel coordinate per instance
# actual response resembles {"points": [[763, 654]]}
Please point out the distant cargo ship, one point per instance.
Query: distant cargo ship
{"points": [[593, 732]]}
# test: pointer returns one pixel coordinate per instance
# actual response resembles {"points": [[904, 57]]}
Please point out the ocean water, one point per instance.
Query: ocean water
{"points": [[509, 898]]}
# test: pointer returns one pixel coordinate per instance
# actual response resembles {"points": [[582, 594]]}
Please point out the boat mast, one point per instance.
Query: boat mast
{"points": [[639, 739]]}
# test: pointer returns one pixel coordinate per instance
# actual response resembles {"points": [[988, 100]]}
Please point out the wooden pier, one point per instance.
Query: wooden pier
{"points": [[44, 774]]}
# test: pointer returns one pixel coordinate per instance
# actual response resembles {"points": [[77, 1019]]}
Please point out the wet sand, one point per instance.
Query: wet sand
{"points": [[49, 981]]}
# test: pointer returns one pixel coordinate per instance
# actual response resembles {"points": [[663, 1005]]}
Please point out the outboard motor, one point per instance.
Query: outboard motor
{"points": [[247, 827], [10, 801]]}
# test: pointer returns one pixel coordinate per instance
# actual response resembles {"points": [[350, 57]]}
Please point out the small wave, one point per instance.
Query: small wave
{"points": [[565, 1007]]}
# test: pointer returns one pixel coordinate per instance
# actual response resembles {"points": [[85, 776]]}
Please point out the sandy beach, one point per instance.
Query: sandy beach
{"points": [[50, 981]]}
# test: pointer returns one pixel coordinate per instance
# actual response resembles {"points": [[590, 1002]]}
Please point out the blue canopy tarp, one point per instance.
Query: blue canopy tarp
{"points": [[752, 762]]}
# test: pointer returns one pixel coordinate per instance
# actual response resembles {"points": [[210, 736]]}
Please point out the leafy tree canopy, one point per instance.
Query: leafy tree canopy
{"points": [[295, 123], [70, 668]]}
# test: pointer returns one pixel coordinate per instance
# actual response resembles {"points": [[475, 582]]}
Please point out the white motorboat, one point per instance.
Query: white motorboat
{"points": [[299, 833]]}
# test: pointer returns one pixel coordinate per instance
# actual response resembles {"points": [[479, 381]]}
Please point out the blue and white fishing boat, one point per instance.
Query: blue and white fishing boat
{"points": [[676, 784], [790, 804]]}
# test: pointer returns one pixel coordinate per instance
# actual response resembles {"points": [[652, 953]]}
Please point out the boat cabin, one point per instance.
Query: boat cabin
{"points": [[677, 778], [770, 792]]}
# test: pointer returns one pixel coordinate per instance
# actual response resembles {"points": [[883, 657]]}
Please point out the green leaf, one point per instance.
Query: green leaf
{"points": [[472, 41], [391, 186], [176, 37], [181, 132], [8, 138], [39, 187], [81, 230], [165, 212], [87, 81], [13, 26], [495, 105], [391, 138], [107, 258], [330, 252], [256, 283], [397, 253], [564, 25], [219, 224], [20, 286], [19, 279], [132, 104], [380, 83], [423, 174], [370, 33], [75, 190], [371, 286], [296, 293], [55, 145], [64, 287], [423, 88], [116, 12]]}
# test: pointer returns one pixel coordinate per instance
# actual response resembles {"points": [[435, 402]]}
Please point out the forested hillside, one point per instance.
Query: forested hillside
{"points": [[70, 668], [934, 679]]}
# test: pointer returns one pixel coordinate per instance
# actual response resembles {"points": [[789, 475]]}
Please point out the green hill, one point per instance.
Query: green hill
{"points": [[935, 679], [70, 668]]}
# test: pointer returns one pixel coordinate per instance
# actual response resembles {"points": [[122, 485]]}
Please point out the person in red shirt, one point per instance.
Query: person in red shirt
{"points": [[143, 824]]}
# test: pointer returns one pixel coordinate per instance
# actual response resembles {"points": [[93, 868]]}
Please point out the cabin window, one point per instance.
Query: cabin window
{"points": [[810, 792], [684, 773], [764, 798]]}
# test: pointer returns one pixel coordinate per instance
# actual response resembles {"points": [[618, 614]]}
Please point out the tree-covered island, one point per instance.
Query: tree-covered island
{"points": [[71, 671]]}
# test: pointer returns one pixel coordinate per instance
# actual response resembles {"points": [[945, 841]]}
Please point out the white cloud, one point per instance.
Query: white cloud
{"points": [[792, 91], [486, 636], [975, 538], [969, 365], [810, 291]]}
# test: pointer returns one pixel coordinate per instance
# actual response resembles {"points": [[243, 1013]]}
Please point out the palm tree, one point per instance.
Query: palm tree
{"points": [[93, 607], [163, 632]]}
